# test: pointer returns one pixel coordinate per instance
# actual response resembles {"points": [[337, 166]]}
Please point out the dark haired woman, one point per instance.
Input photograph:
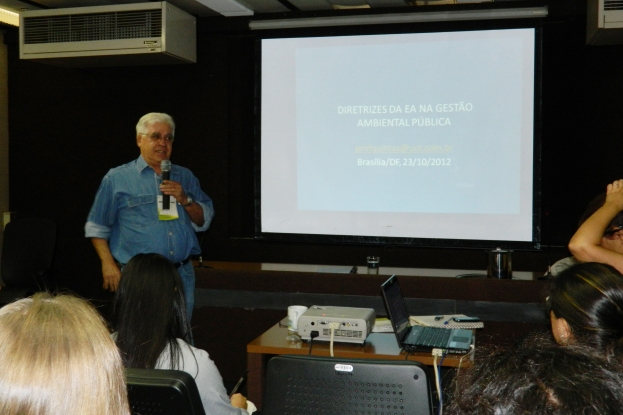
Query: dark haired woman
{"points": [[538, 377], [586, 307], [152, 330]]}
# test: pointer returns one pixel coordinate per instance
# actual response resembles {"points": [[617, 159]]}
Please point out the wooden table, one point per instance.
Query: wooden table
{"points": [[377, 346]]}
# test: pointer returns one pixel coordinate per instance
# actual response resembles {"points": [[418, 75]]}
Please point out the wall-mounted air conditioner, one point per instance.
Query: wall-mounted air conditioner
{"points": [[605, 22], [125, 34]]}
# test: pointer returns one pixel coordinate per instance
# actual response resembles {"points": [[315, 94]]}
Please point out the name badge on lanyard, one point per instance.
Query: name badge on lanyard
{"points": [[170, 213]]}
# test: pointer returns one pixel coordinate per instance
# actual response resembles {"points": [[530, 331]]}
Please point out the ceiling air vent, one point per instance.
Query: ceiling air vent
{"points": [[130, 34], [605, 22]]}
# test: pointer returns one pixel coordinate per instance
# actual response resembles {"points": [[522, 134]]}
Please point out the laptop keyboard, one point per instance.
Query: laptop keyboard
{"points": [[432, 337]]}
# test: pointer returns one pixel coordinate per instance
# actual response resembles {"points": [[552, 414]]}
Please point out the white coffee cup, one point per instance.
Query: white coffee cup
{"points": [[294, 312]]}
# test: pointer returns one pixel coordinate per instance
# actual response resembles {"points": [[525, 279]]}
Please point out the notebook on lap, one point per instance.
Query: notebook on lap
{"points": [[420, 338]]}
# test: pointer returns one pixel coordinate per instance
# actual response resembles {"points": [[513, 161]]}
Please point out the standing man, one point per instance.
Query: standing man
{"points": [[128, 217]]}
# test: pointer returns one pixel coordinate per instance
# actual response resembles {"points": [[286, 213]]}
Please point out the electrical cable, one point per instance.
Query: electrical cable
{"points": [[312, 336], [460, 365], [203, 235], [333, 327], [545, 226], [463, 357], [440, 391], [437, 369], [436, 377]]}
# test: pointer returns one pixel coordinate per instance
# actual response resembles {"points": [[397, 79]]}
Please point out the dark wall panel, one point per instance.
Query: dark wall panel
{"points": [[582, 123], [69, 126]]}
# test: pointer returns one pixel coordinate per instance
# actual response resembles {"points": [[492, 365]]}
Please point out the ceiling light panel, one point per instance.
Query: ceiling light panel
{"points": [[351, 3], [60, 4], [263, 6], [312, 4], [9, 17], [227, 7], [16, 6], [387, 3]]}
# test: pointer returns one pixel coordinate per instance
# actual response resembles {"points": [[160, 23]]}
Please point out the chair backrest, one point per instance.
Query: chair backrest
{"points": [[163, 392], [324, 385], [27, 252]]}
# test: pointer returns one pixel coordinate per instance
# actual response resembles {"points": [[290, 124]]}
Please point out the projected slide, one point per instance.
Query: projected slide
{"points": [[412, 135]]}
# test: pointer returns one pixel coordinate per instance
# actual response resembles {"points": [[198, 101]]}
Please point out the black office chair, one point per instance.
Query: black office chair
{"points": [[163, 392], [27, 253], [301, 385]]}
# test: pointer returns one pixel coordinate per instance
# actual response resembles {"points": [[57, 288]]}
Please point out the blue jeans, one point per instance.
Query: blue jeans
{"points": [[187, 275]]}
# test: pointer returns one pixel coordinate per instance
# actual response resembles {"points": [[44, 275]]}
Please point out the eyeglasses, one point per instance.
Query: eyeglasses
{"points": [[158, 137]]}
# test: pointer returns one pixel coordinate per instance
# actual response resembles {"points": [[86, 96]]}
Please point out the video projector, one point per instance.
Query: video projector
{"points": [[354, 323]]}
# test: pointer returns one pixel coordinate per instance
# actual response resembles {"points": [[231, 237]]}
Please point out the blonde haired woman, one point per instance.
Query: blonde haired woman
{"points": [[57, 357]]}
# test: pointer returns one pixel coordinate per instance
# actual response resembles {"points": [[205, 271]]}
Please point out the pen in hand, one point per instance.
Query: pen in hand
{"points": [[240, 381]]}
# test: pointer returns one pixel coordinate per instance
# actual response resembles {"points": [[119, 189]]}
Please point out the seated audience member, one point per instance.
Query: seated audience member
{"points": [[57, 357], [609, 235], [599, 238], [538, 377], [152, 330], [586, 307]]}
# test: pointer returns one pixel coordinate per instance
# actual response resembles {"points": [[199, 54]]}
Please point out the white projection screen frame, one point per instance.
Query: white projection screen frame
{"points": [[418, 138]]}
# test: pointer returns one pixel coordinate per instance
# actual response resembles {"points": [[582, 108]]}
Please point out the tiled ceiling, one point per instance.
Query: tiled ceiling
{"points": [[211, 7]]}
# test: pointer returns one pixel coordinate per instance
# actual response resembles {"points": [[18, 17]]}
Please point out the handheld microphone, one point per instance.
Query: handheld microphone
{"points": [[165, 166]]}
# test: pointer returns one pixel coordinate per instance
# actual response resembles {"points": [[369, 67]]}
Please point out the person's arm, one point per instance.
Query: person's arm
{"points": [[585, 245], [195, 212], [110, 270], [210, 384], [102, 217]]}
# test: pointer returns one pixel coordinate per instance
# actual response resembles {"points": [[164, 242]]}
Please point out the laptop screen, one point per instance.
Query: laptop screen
{"points": [[396, 307]]}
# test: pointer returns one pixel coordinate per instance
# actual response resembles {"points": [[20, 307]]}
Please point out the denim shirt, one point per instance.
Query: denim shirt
{"points": [[125, 213]]}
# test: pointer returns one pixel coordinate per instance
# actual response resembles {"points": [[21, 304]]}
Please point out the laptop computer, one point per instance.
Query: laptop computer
{"points": [[420, 338]]}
